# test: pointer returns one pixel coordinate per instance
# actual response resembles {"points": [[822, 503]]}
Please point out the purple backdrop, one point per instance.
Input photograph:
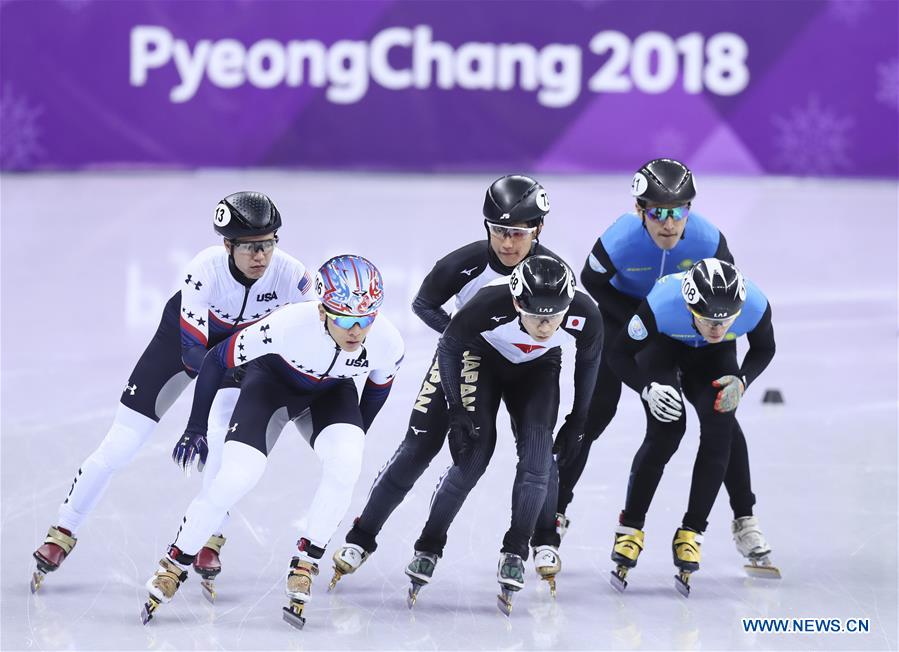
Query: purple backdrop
{"points": [[747, 87]]}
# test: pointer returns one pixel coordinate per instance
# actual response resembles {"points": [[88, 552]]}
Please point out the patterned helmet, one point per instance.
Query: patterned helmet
{"points": [[349, 285]]}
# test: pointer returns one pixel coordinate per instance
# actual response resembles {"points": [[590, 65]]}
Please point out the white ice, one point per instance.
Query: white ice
{"points": [[88, 260]]}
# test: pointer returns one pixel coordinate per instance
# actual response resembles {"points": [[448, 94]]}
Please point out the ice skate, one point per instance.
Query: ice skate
{"points": [[299, 589], [548, 564], [56, 547], [752, 545], [510, 575], [420, 570], [627, 548], [208, 565], [685, 548], [562, 525], [162, 586], [346, 561]]}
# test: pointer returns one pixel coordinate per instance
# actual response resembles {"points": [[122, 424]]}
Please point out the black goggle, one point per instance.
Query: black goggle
{"points": [[251, 247]]}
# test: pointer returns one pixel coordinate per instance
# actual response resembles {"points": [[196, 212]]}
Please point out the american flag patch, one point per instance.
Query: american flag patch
{"points": [[304, 283]]}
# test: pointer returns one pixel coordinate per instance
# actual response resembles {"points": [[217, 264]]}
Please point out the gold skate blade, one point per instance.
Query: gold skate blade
{"points": [[412, 594], [551, 580], [292, 614], [146, 613], [504, 602], [763, 571], [208, 586], [37, 578], [335, 579]]}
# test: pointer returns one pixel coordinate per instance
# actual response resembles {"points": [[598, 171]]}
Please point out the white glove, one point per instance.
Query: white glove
{"points": [[664, 402], [728, 398]]}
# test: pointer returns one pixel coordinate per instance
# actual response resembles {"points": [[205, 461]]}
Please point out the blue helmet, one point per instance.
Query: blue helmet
{"points": [[350, 285]]}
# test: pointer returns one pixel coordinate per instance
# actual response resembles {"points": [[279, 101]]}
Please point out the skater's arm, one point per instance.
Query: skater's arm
{"points": [[434, 316], [262, 338], [723, 252], [587, 358], [449, 275], [761, 348], [194, 318], [622, 352], [378, 385], [595, 279]]}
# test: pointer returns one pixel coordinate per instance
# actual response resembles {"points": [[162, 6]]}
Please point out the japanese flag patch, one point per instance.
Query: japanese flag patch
{"points": [[575, 323], [636, 329]]}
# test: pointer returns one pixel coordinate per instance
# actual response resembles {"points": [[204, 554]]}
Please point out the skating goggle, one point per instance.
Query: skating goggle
{"points": [[348, 321], [245, 247], [538, 319], [514, 232], [712, 323], [661, 214]]}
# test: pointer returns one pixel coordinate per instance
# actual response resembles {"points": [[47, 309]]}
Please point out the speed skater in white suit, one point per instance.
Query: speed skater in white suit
{"points": [[225, 289], [301, 360]]}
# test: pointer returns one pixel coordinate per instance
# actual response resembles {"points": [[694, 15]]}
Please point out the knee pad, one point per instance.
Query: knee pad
{"points": [[128, 433], [340, 447]]}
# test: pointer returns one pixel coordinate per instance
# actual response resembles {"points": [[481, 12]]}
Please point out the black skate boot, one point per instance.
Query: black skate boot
{"points": [[420, 570], [510, 575]]}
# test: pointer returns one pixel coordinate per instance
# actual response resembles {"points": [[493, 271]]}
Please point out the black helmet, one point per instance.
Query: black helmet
{"points": [[543, 285], [515, 198], [663, 181], [246, 214], [714, 289]]}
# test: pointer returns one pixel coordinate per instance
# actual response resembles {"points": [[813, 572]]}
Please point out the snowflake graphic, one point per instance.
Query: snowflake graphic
{"points": [[19, 132], [813, 139], [849, 12], [888, 83]]}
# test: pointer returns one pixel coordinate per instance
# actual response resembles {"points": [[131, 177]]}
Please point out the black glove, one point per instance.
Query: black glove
{"points": [[569, 440], [461, 433], [189, 447]]}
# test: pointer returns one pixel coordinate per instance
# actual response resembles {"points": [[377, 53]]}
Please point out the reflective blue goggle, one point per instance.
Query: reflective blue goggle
{"points": [[348, 321], [662, 214]]}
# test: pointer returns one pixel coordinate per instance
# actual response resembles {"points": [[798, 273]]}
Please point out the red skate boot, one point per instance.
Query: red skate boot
{"points": [[208, 565], [56, 547]]}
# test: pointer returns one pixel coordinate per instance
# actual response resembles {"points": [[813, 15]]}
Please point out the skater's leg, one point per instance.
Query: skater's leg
{"points": [[603, 406], [241, 468], [737, 479], [425, 436], [532, 399], [129, 431], [716, 431], [458, 481], [339, 447], [219, 422]]}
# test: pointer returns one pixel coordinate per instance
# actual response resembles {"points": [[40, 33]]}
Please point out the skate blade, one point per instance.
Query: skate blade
{"points": [[682, 584], [412, 594], [763, 571], [617, 581], [293, 615], [37, 578], [551, 580], [208, 587], [334, 580], [146, 614], [504, 602]]}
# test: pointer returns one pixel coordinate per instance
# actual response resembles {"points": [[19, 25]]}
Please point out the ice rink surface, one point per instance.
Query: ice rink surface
{"points": [[88, 260]]}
